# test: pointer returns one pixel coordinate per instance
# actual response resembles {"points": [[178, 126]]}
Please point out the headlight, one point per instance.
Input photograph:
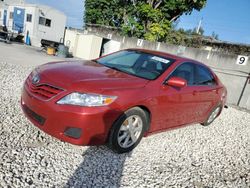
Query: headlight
{"points": [[81, 99]]}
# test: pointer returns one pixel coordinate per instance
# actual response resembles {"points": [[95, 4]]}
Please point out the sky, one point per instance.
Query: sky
{"points": [[230, 19], [73, 9]]}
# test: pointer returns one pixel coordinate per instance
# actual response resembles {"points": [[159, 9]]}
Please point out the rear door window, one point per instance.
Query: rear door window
{"points": [[203, 76]]}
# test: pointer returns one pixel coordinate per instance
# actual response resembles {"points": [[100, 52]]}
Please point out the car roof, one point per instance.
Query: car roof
{"points": [[164, 54]]}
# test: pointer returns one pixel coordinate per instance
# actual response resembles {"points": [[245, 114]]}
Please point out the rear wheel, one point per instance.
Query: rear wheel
{"points": [[128, 130], [212, 116]]}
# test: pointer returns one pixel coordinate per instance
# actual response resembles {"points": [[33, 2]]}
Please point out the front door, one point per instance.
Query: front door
{"points": [[179, 106], [18, 19]]}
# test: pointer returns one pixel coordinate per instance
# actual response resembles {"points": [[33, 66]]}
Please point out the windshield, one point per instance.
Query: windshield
{"points": [[140, 64]]}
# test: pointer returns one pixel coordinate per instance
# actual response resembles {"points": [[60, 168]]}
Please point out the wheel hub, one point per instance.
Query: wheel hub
{"points": [[130, 131]]}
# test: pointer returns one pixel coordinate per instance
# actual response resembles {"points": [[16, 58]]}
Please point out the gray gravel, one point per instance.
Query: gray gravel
{"points": [[193, 156]]}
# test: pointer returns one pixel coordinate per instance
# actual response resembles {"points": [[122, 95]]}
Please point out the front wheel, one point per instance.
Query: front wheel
{"points": [[212, 116], [128, 130]]}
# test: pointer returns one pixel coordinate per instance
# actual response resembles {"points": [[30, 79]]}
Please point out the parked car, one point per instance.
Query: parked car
{"points": [[119, 98]]}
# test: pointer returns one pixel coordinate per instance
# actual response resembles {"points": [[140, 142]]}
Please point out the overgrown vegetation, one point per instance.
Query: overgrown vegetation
{"points": [[149, 19], [190, 37]]}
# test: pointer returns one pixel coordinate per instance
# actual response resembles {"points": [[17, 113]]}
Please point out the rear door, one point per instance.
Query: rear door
{"points": [[207, 90]]}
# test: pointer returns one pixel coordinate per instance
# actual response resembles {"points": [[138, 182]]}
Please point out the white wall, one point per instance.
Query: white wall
{"points": [[88, 46], [70, 40], [58, 23], [29, 26], [111, 46]]}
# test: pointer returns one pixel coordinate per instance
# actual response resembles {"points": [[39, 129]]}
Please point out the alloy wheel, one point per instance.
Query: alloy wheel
{"points": [[213, 115], [130, 131]]}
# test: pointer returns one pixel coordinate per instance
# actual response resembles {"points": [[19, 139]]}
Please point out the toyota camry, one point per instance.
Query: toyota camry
{"points": [[119, 98]]}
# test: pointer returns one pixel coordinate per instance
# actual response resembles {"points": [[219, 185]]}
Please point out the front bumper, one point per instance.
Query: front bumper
{"points": [[55, 120]]}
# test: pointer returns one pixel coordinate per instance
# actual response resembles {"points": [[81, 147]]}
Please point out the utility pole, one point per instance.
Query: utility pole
{"points": [[199, 26]]}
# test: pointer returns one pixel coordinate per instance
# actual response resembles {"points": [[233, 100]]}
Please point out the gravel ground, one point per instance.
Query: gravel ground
{"points": [[193, 156]]}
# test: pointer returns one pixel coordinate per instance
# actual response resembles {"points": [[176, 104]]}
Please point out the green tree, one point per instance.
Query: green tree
{"points": [[149, 19], [101, 12]]}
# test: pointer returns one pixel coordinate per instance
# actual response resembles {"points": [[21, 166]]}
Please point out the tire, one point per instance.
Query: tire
{"points": [[127, 132], [213, 115]]}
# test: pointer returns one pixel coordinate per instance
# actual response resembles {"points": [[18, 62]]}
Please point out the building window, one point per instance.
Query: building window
{"points": [[44, 21], [48, 23], [29, 18], [11, 15]]}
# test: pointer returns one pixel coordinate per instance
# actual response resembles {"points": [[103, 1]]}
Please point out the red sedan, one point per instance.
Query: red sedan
{"points": [[119, 98]]}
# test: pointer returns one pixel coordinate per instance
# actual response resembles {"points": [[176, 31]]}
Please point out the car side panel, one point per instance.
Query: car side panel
{"points": [[178, 106], [209, 98]]}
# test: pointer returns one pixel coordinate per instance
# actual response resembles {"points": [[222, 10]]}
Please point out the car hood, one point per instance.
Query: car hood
{"points": [[87, 75]]}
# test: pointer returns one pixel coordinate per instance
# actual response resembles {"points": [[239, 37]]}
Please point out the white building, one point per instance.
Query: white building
{"points": [[40, 21], [11, 1]]}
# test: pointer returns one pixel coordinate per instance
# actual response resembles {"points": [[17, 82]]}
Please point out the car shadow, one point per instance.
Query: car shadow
{"points": [[100, 168]]}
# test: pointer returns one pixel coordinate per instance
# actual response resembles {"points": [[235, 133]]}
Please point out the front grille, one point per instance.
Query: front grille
{"points": [[39, 119], [42, 91]]}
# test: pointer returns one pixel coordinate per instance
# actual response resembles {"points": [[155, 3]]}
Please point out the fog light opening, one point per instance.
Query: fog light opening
{"points": [[73, 132]]}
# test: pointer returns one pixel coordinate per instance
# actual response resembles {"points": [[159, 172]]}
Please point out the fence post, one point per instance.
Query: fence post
{"points": [[243, 90]]}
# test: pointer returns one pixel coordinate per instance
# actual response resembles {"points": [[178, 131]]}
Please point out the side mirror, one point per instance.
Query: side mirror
{"points": [[177, 82]]}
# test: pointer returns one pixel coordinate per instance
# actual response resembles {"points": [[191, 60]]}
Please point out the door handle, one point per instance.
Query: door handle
{"points": [[195, 92]]}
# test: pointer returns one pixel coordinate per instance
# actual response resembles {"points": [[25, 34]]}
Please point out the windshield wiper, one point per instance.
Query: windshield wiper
{"points": [[112, 67], [94, 60]]}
